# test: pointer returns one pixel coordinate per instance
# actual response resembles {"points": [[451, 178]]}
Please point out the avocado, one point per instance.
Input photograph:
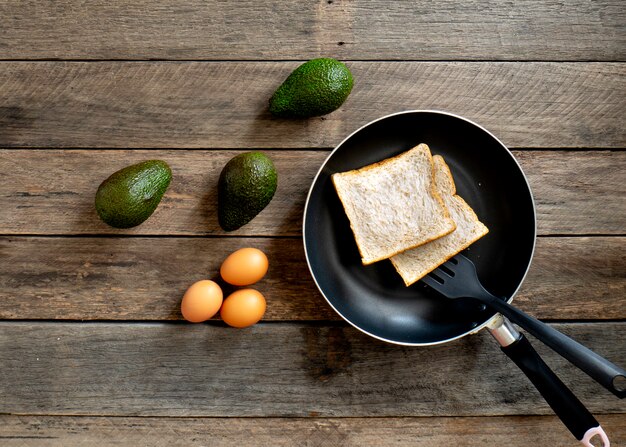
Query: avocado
{"points": [[129, 196], [246, 186], [315, 88]]}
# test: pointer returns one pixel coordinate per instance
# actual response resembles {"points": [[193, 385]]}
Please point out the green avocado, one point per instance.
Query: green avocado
{"points": [[315, 88], [129, 196], [246, 186]]}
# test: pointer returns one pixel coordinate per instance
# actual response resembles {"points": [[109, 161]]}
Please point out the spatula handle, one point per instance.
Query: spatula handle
{"points": [[597, 367], [565, 404]]}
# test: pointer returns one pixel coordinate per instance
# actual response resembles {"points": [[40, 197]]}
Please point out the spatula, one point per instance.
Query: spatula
{"points": [[457, 278]]}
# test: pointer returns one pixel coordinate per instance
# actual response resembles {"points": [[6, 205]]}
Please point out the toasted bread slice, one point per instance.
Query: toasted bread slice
{"points": [[416, 263], [393, 205]]}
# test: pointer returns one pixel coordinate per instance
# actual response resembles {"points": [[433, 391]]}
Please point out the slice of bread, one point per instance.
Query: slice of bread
{"points": [[393, 205], [416, 263]]}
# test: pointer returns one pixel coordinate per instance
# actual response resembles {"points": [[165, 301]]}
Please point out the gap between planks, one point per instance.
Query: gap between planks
{"points": [[244, 236], [286, 149], [299, 60]]}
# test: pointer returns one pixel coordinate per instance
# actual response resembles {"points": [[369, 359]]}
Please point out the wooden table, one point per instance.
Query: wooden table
{"points": [[92, 347]]}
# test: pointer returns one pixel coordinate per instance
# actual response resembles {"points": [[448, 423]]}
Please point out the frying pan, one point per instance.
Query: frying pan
{"points": [[374, 299]]}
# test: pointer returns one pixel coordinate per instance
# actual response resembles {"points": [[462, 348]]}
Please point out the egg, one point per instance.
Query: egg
{"points": [[243, 308], [244, 267], [201, 301]]}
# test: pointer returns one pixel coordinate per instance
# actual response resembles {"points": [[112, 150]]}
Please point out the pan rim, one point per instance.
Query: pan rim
{"points": [[314, 181]]}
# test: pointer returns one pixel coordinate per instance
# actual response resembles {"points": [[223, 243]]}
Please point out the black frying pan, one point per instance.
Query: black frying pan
{"points": [[374, 299]]}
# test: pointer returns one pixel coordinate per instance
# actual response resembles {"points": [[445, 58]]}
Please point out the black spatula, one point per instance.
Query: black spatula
{"points": [[457, 278]]}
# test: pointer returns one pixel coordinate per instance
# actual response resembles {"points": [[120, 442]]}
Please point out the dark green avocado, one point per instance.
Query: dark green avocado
{"points": [[315, 88], [129, 196], [246, 186]]}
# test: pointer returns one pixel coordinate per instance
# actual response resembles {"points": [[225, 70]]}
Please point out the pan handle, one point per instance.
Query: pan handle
{"points": [[600, 369], [579, 421]]}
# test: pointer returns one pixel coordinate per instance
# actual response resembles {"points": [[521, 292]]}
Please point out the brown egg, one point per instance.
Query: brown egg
{"points": [[243, 308], [244, 267], [201, 301]]}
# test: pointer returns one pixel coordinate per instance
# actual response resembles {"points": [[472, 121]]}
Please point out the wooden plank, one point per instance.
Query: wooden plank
{"points": [[142, 278], [224, 105], [67, 181], [571, 188], [512, 431], [591, 269], [365, 29], [52, 192], [274, 370], [145, 278]]}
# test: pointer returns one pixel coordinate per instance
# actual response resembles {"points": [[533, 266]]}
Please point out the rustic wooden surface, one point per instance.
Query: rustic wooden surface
{"points": [[274, 369], [51, 191], [89, 87], [512, 431], [224, 105], [363, 29], [141, 278]]}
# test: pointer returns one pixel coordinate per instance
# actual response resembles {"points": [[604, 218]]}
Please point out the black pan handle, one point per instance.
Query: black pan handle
{"points": [[597, 367], [566, 406]]}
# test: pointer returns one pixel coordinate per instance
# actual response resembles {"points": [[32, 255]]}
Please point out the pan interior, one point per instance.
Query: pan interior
{"points": [[373, 297]]}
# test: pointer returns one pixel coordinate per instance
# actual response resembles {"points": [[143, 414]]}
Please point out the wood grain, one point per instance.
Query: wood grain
{"points": [[512, 431], [145, 278], [364, 29], [52, 191], [224, 105], [279, 370], [572, 188], [146, 75]]}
